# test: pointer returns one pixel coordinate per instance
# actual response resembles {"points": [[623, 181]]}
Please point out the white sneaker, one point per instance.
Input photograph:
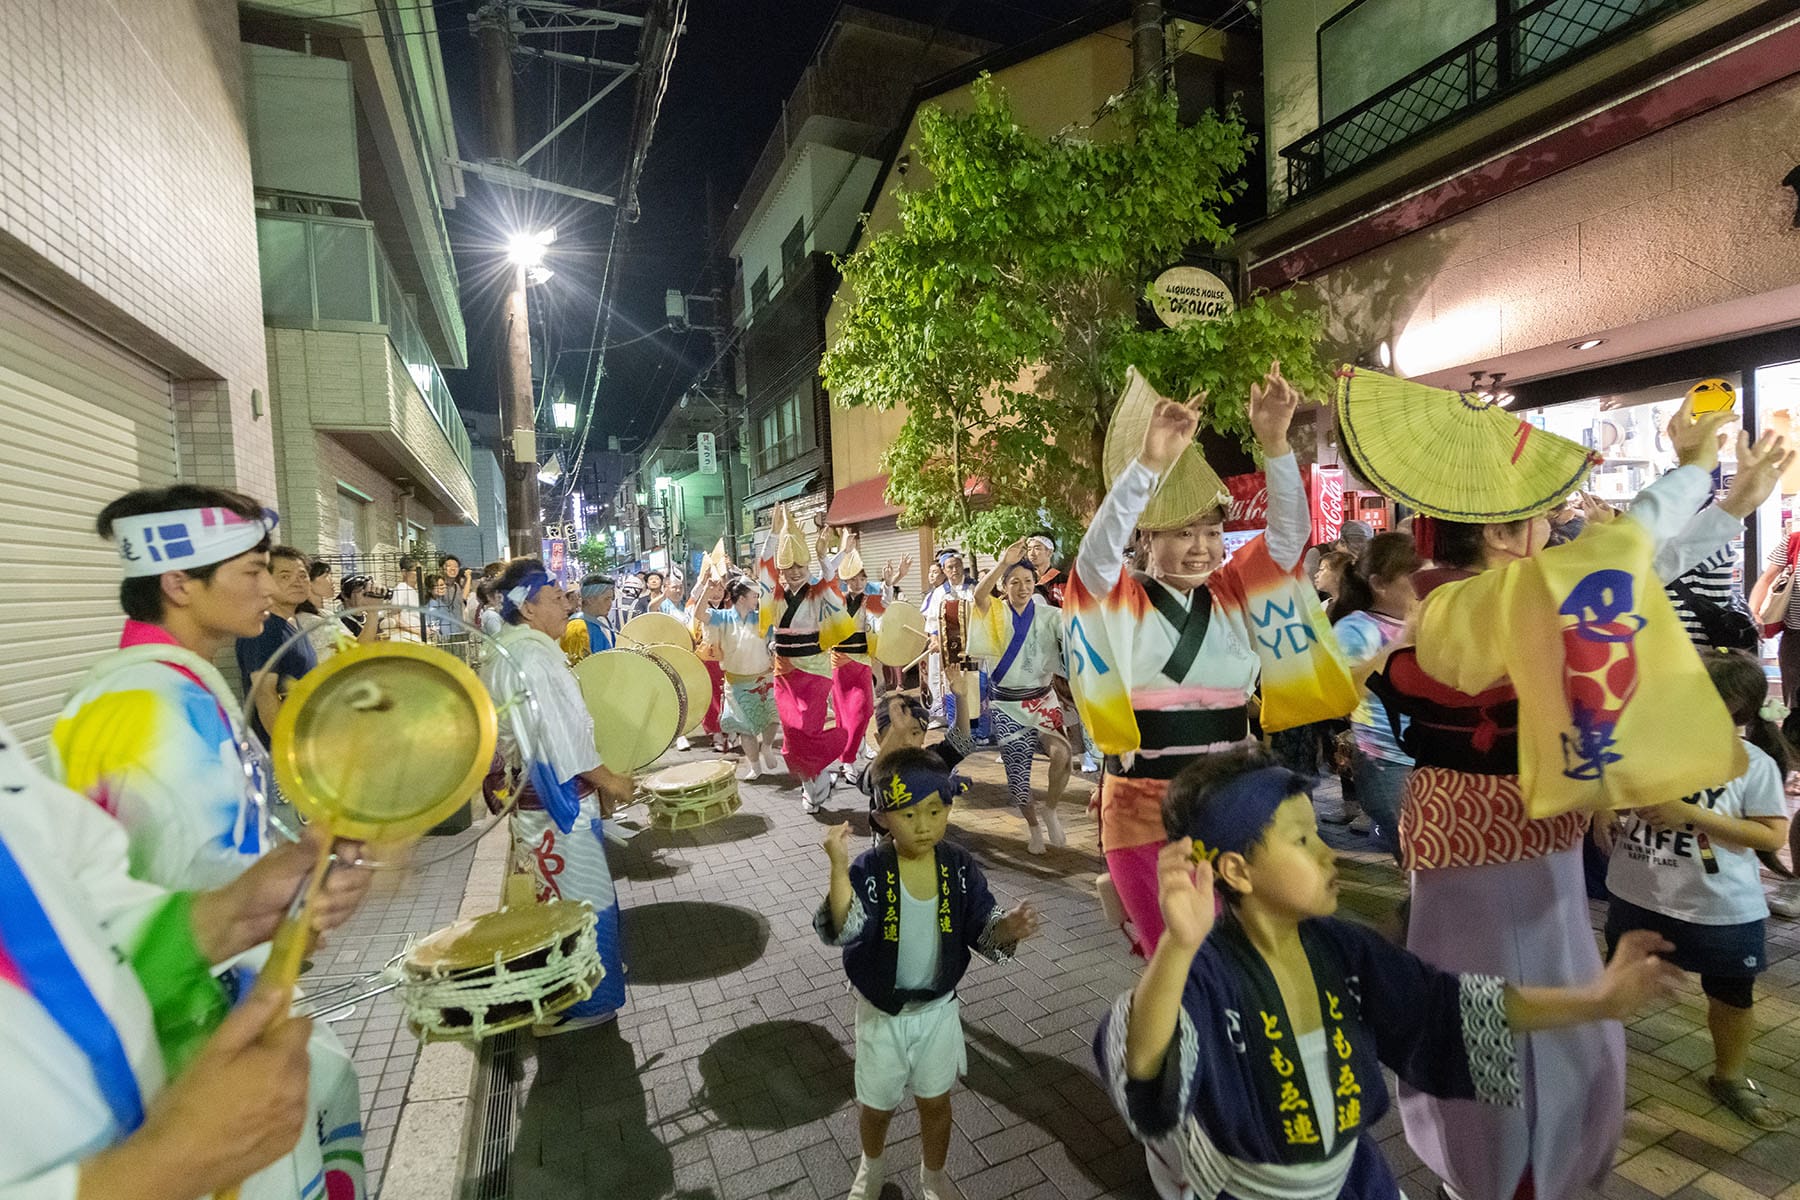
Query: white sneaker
{"points": [[1089, 764], [746, 770], [871, 1173], [869, 754], [681, 743], [1053, 828], [813, 792], [936, 1185], [847, 771], [1784, 901], [1034, 839]]}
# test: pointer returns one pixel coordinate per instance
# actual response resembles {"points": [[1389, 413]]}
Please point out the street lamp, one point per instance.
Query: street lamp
{"points": [[562, 414], [528, 249]]}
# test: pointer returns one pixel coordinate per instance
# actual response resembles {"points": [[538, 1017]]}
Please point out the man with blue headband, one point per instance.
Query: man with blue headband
{"points": [[564, 793], [907, 914], [152, 736], [1251, 1050]]}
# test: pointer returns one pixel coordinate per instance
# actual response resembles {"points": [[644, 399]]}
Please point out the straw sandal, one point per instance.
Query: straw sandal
{"points": [[1744, 1098]]}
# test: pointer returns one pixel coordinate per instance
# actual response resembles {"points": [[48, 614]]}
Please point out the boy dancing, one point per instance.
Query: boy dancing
{"points": [[907, 913]]}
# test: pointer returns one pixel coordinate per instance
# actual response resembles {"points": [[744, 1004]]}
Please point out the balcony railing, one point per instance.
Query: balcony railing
{"points": [[330, 273], [1534, 40]]}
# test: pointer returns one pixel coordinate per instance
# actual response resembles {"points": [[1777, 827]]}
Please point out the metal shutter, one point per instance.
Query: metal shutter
{"points": [[81, 421], [881, 541]]}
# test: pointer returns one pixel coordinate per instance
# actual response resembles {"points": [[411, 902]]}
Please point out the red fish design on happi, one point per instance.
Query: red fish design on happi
{"points": [[1600, 669]]}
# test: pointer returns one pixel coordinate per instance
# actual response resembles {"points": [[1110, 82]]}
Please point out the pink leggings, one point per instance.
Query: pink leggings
{"points": [[1133, 872]]}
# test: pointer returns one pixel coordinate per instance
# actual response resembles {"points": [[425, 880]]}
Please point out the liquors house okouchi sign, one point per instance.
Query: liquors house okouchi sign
{"points": [[1182, 294]]}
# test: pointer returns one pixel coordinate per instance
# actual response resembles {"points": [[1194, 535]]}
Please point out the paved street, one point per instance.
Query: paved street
{"points": [[729, 1075]]}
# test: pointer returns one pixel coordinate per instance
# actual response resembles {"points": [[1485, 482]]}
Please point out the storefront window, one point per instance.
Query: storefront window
{"points": [[1629, 432], [1778, 409]]}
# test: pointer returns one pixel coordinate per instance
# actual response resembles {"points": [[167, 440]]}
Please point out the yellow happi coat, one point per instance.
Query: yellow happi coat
{"points": [[1615, 707]]}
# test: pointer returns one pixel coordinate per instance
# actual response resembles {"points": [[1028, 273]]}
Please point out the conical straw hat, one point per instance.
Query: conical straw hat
{"points": [[1453, 455], [791, 548], [1187, 490], [851, 564]]}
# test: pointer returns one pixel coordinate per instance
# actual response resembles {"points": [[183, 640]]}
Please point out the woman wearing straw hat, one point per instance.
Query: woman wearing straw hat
{"points": [[1542, 686], [807, 618], [1162, 662]]}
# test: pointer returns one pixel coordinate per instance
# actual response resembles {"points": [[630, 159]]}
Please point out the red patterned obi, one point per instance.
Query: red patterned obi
{"points": [[1460, 819]]}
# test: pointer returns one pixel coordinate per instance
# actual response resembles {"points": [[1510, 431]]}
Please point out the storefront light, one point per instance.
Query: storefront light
{"points": [[1588, 344]]}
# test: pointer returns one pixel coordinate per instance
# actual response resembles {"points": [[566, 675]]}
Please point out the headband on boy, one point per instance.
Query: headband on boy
{"points": [[527, 587], [913, 785], [598, 587], [1234, 817], [1042, 539], [151, 543]]}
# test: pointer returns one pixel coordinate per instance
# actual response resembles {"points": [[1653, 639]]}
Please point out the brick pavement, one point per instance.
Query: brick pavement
{"points": [[403, 905], [729, 1074]]}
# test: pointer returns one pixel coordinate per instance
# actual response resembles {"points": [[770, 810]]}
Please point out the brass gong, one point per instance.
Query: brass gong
{"points": [[382, 742]]}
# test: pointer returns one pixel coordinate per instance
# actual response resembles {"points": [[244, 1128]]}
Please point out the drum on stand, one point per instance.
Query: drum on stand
{"points": [[638, 706], [900, 639], [696, 684], [500, 971], [655, 629], [693, 794]]}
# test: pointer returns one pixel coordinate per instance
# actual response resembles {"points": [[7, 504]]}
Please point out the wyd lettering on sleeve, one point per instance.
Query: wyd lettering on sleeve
{"points": [[1281, 630]]}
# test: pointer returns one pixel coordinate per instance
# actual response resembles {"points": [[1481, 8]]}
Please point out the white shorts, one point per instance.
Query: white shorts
{"points": [[920, 1048]]}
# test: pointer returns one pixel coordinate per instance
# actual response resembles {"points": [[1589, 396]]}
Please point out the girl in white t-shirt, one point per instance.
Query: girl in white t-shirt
{"points": [[1688, 870]]}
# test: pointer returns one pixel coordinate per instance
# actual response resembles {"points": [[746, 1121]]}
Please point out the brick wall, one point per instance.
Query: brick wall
{"points": [[125, 200]]}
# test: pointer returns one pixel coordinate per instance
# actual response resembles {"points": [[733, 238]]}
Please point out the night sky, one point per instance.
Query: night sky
{"points": [[734, 65]]}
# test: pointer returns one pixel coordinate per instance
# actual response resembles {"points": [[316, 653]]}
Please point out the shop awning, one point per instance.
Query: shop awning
{"points": [[859, 502], [786, 491]]}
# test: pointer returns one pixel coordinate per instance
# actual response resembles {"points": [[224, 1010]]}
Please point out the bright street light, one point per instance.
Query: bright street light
{"points": [[562, 414], [528, 249]]}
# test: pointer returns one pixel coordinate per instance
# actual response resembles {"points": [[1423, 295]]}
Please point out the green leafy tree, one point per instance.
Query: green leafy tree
{"points": [[1002, 310]]}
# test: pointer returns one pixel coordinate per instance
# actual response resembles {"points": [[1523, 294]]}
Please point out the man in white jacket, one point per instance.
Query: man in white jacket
{"points": [[98, 971]]}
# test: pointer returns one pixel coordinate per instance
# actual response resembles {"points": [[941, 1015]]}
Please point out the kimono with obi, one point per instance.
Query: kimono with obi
{"points": [[749, 698], [1023, 653], [1254, 1111], [1477, 840], [806, 625], [967, 919]]}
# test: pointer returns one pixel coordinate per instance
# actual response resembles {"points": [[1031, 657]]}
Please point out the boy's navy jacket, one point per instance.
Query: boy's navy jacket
{"points": [[967, 916]]}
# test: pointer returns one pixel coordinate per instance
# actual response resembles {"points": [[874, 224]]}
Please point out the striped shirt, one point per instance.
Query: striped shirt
{"points": [[1712, 580]]}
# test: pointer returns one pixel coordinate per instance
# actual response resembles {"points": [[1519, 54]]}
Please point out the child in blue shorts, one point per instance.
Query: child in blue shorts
{"points": [[907, 913], [1688, 870]]}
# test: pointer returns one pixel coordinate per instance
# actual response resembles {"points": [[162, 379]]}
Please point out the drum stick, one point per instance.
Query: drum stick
{"points": [[287, 952]]}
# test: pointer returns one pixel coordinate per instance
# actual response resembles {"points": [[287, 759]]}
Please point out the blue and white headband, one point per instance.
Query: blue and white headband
{"points": [[1237, 813], [913, 785], [516, 597], [151, 543]]}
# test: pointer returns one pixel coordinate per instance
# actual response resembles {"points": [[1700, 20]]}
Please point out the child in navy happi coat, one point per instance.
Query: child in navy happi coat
{"points": [[907, 914], [1250, 1053]]}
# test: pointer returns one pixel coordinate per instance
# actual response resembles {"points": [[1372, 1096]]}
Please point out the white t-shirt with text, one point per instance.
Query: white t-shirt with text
{"points": [[1684, 874]]}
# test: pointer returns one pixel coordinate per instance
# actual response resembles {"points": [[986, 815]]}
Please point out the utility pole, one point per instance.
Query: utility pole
{"points": [[728, 405], [517, 404], [1147, 43]]}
